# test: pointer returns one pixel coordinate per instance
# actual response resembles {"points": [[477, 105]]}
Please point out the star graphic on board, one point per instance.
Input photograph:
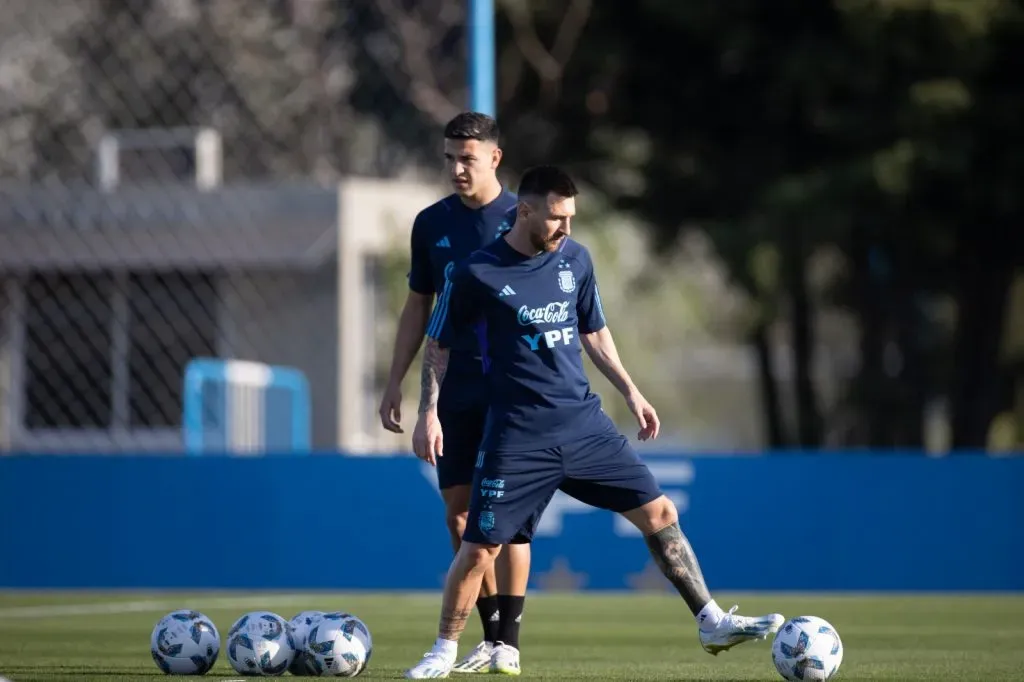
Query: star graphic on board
{"points": [[561, 577], [649, 580]]}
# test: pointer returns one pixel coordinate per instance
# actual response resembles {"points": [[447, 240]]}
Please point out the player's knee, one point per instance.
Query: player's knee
{"points": [[456, 522], [663, 513], [477, 557], [655, 515], [456, 509]]}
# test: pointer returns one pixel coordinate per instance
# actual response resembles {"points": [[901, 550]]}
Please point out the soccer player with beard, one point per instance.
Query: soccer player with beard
{"points": [[534, 297], [477, 213]]}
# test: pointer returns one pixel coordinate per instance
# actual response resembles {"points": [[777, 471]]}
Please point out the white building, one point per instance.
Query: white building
{"points": [[107, 294]]}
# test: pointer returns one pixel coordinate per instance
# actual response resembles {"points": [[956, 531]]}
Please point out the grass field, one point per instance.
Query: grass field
{"points": [[55, 636]]}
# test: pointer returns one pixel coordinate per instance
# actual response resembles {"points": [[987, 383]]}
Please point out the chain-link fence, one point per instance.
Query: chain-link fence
{"points": [[170, 191], [173, 187]]}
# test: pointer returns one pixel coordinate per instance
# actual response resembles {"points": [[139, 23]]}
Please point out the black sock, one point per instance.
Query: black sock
{"points": [[488, 608], [511, 610]]}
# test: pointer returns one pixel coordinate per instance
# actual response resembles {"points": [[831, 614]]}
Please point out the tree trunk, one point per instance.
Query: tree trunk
{"points": [[985, 270], [771, 411], [868, 384], [809, 428]]}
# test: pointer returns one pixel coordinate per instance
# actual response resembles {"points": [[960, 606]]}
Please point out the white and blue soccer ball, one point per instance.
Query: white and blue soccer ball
{"points": [[339, 645], [302, 665], [807, 648], [260, 643], [185, 643]]}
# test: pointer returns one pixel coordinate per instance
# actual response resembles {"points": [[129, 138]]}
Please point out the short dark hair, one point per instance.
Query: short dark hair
{"points": [[472, 125], [540, 181]]}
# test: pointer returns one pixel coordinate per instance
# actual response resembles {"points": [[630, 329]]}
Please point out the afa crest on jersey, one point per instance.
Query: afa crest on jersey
{"points": [[566, 280]]}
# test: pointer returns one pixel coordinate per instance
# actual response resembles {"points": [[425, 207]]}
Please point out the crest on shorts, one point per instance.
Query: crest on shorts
{"points": [[486, 521], [566, 280]]}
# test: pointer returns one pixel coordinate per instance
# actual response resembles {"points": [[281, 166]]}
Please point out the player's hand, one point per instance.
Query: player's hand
{"points": [[645, 415], [427, 438], [391, 409]]}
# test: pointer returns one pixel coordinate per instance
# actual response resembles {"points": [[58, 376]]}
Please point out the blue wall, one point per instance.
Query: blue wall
{"points": [[856, 522]]}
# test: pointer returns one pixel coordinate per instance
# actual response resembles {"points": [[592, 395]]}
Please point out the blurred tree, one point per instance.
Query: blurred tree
{"points": [[967, 171], [883, 128]]}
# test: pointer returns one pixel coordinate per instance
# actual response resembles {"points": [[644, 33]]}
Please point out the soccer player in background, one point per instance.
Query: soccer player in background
{"points": [[478, 212], [535, 295]]}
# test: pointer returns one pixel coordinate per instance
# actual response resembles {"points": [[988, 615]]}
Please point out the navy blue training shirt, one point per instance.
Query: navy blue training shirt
{"points": [[528, 312], [443, 234]]}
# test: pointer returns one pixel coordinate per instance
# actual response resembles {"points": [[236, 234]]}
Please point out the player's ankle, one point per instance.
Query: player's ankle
{"points": [[510, 609], [710, 616], [446, 647], [489, 617]]}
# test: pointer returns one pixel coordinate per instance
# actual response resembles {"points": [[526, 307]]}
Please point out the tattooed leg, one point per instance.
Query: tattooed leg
{"points": [[462, 587], [719, 631], [674, 556], [658, 520]]}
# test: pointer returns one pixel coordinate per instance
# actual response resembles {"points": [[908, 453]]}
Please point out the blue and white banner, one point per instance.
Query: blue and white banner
{"points": [[799, 522]]}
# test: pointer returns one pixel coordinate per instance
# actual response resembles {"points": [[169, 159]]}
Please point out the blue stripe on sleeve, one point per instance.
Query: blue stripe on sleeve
{"points": [[440, 314]]}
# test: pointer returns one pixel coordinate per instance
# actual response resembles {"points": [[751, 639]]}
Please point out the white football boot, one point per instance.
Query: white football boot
{"points": [[735, 629], [505, 660], [433, 665], [476, 661]]}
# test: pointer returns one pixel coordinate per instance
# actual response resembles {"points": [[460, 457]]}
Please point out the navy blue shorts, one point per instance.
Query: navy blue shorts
{"points": [[512, 489], [463, 430]]}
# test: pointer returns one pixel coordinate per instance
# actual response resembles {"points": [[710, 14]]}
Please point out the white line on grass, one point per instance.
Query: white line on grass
{"points": [[145, 606]]}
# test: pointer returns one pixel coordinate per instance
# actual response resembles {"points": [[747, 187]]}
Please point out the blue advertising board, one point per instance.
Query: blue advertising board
{"points": [[801, 522]]}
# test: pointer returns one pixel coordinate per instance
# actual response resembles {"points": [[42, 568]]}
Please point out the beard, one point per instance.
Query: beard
{"points": [[546, 244]]}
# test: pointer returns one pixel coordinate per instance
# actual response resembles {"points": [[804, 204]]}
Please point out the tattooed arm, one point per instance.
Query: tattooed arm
{"points": [[435, 364], [427, 438]]}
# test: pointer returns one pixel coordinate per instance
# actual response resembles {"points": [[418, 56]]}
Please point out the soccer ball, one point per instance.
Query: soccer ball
{"points": [[339, 645], [302, 665], [185, 643], [807, 648], [260, 643]]}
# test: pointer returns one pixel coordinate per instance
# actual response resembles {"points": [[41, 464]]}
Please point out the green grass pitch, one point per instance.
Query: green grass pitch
{"points": [[102, 636]]}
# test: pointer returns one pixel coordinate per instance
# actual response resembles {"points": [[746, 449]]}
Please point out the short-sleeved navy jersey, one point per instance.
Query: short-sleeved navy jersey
{"points": [[444, 234], [528, 312]]}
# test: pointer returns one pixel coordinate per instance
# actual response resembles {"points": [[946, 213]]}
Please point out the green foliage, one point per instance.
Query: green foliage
{"points": [[886, 132]]}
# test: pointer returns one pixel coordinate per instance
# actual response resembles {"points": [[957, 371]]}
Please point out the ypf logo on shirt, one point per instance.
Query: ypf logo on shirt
{"points": [[552, 338]]}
